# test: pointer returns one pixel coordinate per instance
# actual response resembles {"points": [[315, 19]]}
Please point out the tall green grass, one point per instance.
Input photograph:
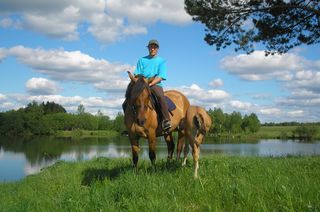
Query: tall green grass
{"points": [[226, 183], [280, 132]]}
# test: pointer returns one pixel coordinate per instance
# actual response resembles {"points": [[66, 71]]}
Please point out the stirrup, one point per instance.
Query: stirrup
{"points": [[166, 125]]}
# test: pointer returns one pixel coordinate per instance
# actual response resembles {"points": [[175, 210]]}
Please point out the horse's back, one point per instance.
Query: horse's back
{"points": [[182, 104], [196, 110], [180, 100]]}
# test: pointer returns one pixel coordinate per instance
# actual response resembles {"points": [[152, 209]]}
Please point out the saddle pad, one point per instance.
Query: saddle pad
{"points": [[170, 103]]}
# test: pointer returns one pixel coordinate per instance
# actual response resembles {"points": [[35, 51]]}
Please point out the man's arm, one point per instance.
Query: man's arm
{"points": [[155, 81]]}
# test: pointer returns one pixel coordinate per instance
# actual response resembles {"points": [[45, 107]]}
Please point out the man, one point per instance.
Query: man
{"points": [[154, 66]]}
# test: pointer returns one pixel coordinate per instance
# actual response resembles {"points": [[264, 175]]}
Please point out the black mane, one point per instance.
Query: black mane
{"points": [[135, 88]]}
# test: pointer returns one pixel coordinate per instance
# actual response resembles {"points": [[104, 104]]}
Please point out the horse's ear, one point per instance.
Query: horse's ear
{"points": [[132, 77]]}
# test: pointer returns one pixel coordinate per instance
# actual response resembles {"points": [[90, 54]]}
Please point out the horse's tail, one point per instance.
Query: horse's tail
{"points": [[199, 123]]}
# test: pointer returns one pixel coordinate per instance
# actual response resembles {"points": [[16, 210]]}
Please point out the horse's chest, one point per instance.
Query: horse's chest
{"points": [[140, 131]]}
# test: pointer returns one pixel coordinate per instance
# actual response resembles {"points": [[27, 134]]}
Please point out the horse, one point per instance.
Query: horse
{"points": [[197, 124], [141, 118]]}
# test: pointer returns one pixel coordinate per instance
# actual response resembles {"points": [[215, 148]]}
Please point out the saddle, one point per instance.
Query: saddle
{"points": [[155, 102]]}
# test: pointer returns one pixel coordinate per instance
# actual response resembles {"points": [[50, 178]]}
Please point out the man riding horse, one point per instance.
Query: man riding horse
{"points": [[141, 114], [154, 67]]}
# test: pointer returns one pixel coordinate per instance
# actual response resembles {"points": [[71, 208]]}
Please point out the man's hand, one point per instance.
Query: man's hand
{"points": [[155, 81]]}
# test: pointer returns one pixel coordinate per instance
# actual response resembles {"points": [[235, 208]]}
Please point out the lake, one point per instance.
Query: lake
{"points": [[20, 157]]}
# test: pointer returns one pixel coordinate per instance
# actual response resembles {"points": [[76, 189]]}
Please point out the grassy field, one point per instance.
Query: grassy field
{"points": [[275, 131], [265, 132], [86, 133], [226, 184], [280, 131]]}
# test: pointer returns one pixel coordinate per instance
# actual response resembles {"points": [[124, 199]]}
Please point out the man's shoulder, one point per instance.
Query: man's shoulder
{"points": [[158, 58]]}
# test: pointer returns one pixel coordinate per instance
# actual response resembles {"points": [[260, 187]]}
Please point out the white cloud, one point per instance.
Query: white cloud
{"points": [[201, 97], [257, 66], [2, 97], [75, 66], [54, 25], [3, 53], [296, 113], [308, 80], [146, 11], [270, 111], [108, 20], [239, 105], [6, 22], [108, 29], [42, 86], [216, 83], [108, 106]]}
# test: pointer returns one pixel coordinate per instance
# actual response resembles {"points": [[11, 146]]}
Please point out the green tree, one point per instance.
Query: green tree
{"points": [[118, 123], [81, 109], [218, 118], [51, 107], [104, 122], [251, 123], [279, 25], [12, 123], [307, 132], [235, 122]]}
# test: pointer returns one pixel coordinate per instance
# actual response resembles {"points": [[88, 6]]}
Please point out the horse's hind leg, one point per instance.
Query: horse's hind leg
{"points": [[170, 145], [186, 150], [181, 137], [195, 154]]}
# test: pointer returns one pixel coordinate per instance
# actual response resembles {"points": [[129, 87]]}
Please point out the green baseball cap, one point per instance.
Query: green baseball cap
{"points": [[153, 42]]}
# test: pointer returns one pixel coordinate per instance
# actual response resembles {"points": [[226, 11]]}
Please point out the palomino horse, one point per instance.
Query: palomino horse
{"points": [[141, 118], [197, 124]]}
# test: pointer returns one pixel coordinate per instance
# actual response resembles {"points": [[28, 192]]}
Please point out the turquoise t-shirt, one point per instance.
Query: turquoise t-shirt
{"points": [[152, 67]]}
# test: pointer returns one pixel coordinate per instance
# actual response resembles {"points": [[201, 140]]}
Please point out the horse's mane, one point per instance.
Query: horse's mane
{"points": [[135, 88]]}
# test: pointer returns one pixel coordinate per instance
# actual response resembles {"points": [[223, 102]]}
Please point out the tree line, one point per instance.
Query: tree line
{"points": [[233, 123], [48, 118]]}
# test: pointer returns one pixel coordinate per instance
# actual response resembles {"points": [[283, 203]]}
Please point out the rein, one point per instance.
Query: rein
{"points": [[136, 89]]}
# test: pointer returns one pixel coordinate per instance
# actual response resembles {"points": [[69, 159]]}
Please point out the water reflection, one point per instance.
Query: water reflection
{"points": [[24, 156]]}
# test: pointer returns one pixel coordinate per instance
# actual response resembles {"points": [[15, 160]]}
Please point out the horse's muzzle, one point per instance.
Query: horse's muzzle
{"points": [[141, 122]]}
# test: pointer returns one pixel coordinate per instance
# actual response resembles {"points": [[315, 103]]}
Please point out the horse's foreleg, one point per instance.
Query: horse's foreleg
{"points": [[181, 137], [152, 147], [135, 151], [170, 144]]}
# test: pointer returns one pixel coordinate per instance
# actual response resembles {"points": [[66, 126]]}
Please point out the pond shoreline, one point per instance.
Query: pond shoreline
{"points": [[265, 132], [226, 183]]}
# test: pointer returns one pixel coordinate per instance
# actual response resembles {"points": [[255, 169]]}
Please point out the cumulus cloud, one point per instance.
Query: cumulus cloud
{"points": [[296, 113], [270, 111], [257, 66], [299, 76], [2, 97], [308, 80], [108, 106], [60, 25], [216, 83], [42, 86], [8, 22], [200, 96], [108, 20], [3, 53], [74, 66], [146, 11], [239, 105]]}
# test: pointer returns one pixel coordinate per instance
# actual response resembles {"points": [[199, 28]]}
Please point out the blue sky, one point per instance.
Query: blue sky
{"points": [[75, 52]]}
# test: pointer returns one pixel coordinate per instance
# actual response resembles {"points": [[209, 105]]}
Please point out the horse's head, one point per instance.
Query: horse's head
{"points": [[140, 99]]}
